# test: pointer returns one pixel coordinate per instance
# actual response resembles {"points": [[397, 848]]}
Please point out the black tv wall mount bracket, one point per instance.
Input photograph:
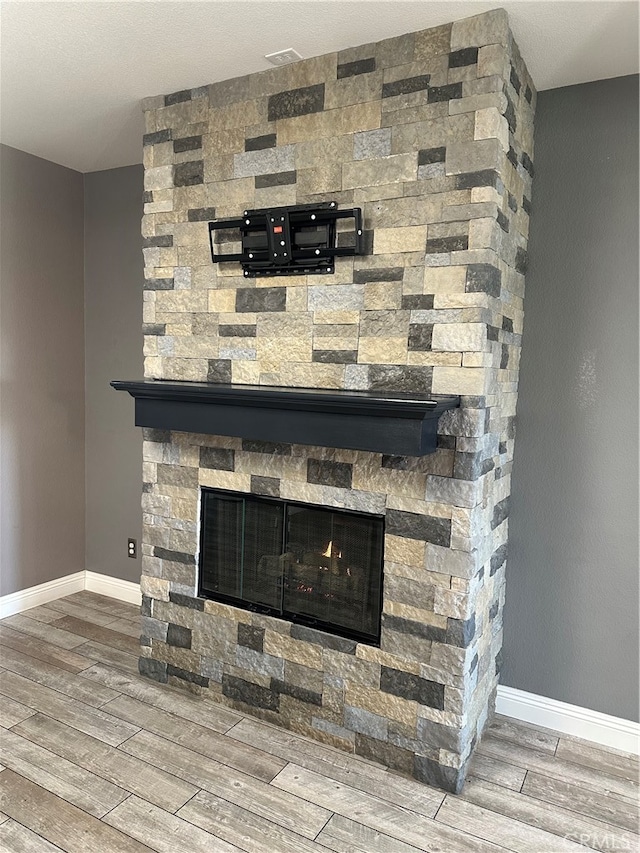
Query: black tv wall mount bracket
{"points": [[294, 240]]}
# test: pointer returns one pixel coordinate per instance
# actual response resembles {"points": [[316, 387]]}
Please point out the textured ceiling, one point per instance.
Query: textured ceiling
{"points": [[73, 74]]}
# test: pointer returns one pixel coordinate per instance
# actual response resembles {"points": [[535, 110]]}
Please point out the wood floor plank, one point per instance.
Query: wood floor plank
{"points": [[588, 755], [240, 827], [119, 609], [128, 627], [15, 838], [198, 710], [59, 822], [100, 634], [497, 771], [56, 636], [56, 678], [512, 834], [280, 807], [119, 768], [541, 762], [347, 836], [614, 810], [92, 721], [300, 750], [523, 734], [89, 792], [40, 649], [205, 741], [42, 613], [107, 655], [84, 611], [405, 825], [164, 832], [560, 821], [12, 712]]}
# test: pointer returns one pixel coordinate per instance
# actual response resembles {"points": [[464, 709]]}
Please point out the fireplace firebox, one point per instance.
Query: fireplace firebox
{"points": [[313, 565]]}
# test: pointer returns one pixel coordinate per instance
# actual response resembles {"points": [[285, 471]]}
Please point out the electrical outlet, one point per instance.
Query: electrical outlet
{"points": [[283, 57], [132, 548]]}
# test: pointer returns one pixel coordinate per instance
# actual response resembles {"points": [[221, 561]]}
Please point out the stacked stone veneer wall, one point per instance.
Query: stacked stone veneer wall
{"points": [[431, 134]]}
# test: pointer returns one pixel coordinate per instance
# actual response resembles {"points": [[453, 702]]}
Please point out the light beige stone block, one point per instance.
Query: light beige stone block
{"points": [[487, 28], [382, 351], [458, 380], [159, 178], [157, 588], [490, 124], [410, 239], [329, 123], [475, 156], [459, 337], [384, 704], [221, 300], [384, 170], [493, 59], [298, 651], [398, 549]]}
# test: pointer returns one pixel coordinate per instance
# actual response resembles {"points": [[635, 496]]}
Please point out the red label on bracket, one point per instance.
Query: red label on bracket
{"points": [[277, 229]]}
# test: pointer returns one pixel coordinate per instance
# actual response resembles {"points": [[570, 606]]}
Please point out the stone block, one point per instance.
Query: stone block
{"points": [[253, 660], [372, 143], [390, 240], [263, 161], [251, 637], [487, 28], [154, 669], [476, 156], [459, 337], [269, 486], [249, 694], [259, 299], [366, 723], [412, 687], [458, 380], [371, 173], [327, 473], [296, 102], [422, 527], [178, 636], [445, 561], [327, 641]]}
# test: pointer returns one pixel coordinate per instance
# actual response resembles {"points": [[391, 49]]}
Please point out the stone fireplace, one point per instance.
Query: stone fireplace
{"points": [[431, 135]]}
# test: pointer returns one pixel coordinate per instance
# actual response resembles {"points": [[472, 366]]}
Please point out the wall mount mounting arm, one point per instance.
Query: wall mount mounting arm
{"points": [[293, 240]]}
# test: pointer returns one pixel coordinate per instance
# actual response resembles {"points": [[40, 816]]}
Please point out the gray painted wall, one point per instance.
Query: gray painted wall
{"points": [[571, 615], [113, 327], [42, 372]]}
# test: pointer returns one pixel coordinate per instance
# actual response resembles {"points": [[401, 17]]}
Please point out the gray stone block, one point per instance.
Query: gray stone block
{"points": [[264, 161], [269, 486], [327, 641], [218, 458], [178, 636], [249, 694], [366, 723], [412, 687], [155, 669], [324, 472], [426, 528], [188, 174], [258, 299], [296, 102], [372, 143], [261, 664]]}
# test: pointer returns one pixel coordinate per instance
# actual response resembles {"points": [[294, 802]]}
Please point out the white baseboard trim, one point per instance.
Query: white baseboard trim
{"points": [[43, 593], [569, 719], [24, 599], [113, 587]]}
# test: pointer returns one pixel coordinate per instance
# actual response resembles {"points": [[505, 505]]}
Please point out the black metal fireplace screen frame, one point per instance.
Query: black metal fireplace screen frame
{"points": [[337, 629]]}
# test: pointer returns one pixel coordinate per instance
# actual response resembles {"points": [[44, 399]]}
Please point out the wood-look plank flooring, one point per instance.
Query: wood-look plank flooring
{"points": [[95, 758]]}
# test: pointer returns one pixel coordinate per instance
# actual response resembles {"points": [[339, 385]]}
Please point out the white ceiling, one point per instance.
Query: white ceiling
{"points": [[73, 73]]}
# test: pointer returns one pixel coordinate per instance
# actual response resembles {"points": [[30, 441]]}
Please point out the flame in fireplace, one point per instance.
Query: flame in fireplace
{"points": [[331, 551]]}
